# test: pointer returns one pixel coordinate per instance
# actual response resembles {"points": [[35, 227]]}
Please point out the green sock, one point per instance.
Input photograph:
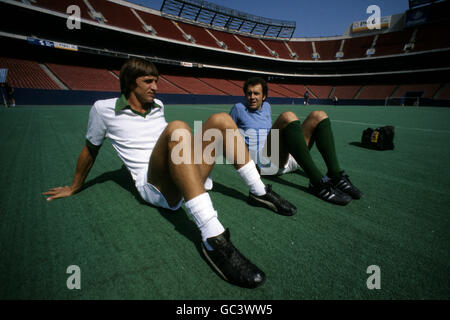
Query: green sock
{"points": [[296, 146], [323, 136]]}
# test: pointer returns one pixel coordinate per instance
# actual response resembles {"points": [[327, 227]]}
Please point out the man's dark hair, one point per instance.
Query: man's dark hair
{"points": [[253, 82], [132, 69]]}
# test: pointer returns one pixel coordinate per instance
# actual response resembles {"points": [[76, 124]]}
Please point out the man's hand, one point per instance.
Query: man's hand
{"points": [[59, 192], [84, 164]]}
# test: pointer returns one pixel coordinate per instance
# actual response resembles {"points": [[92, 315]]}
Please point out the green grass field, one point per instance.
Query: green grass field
{"points": [[129, 250]]}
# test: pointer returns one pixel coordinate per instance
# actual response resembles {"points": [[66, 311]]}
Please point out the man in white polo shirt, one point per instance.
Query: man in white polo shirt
{"points": [[136, 126]]}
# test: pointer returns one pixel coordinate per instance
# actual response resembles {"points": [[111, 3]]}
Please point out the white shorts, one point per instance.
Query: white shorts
{"points": [[290, 166], [151, 194]]}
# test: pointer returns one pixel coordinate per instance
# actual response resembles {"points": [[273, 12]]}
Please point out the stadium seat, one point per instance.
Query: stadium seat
{"points": [[117, 15], [279, 46], [229, 39], [303, 49], [192, 85], [27, 74], [319, 91], [346, 92], [223, 85], [357, 47], [392, 42], [84, 78], [431, 37], [428, 90], [327, 49], [376, 91]]}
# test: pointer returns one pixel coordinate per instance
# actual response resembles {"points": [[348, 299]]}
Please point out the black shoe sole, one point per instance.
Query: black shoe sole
{"points": [[340, 203], [268, 205], [220, 273]]}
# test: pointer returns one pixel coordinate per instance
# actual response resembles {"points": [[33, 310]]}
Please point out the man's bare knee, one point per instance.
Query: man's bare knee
{"points": [[318, 115], [285, 118], [177, 124], [178, 131], [221, 120]]}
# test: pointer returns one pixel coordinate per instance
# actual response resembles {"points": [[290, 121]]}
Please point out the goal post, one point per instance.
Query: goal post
{"points": [[402, 102]]}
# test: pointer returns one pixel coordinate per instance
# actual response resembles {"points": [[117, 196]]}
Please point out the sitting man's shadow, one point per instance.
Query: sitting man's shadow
{"points": [[179, 218], [280, 180]]}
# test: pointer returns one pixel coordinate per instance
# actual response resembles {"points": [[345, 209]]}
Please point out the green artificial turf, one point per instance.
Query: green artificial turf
{"points": [[127, 249]]}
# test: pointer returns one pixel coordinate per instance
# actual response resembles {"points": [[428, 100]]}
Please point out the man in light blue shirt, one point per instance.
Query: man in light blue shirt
{"points": [[293, 140]]}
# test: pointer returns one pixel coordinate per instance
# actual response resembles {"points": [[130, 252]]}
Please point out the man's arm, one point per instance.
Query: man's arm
{"points": [[84, 164]]}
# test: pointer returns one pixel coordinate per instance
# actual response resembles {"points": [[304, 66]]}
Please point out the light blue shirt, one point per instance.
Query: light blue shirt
{"points": [[254, 125]]}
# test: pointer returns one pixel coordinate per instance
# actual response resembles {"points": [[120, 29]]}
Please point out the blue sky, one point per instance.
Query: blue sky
{"points": [[314, 18]]}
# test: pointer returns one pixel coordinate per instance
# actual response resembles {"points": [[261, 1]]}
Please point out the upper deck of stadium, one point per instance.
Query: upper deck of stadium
{"points": [[196, 45], [182, 22]]}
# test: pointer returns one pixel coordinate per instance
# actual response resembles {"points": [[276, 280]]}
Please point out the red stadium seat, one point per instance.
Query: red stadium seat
{"points": [[84, 78], [26, 74]]}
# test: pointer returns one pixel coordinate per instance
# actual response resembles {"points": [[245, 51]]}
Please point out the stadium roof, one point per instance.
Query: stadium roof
{"points": [[230, 19]]}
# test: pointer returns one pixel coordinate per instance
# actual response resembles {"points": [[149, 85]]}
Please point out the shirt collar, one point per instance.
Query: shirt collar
{"points": [[255, 111], [122, 104]]}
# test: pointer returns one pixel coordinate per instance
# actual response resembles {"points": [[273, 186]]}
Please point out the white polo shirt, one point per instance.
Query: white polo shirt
{"points": [[133, 135]]}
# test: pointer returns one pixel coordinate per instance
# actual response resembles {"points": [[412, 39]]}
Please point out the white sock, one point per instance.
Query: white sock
{"points": [[208, 183], [252, 178], [205, 217]]}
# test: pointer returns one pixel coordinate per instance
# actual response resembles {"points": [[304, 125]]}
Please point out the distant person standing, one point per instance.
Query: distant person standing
{"points": [[306, 98], [3, 93], [335, 100], [11, 102]]}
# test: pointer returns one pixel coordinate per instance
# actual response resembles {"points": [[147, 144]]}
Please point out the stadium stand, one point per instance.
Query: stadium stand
{"points": [[421, 90], [164, 27], [320, 92], [84, 78], [239, 83], [444, 92], [117, 15], [62, 5], [357, 47], [224, 85], [327, 49], [297, 56], [192, 85], [199, 34], [280, 90], [376, 91], [392, 42], [303, 49], [255, 45], [279, 46], [164, 86], [297, 90], [26, 74], [229, 39], [346, 92], [433, 36]]}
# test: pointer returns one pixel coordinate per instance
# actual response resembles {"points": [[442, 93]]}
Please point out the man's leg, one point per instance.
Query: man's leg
{"points": [[236, 152], [185, 179], [317, 126], [294, 140], [298, 138]]}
